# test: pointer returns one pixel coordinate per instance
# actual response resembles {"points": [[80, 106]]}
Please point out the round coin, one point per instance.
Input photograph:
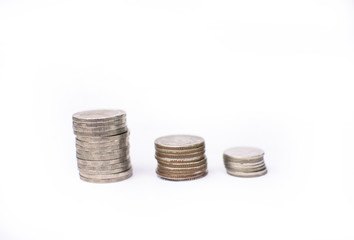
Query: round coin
{"points": [[181, 171], [179, 178], [102, 133], [100, 139], [97, 147], [244, 153], [101, 163], [234, 160], [106, 176], [98, 129], [179, 151], [179, 160], [114, 122], [183, 164], [104, 167], [105, 151], [248, 174], [179, 156], [102, 157], [179, 142], [103, 172], [111, 180], [98, 115]]}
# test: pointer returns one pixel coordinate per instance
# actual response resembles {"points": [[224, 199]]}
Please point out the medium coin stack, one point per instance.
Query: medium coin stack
{"points": [[180, 157], [102, 145], [244, 162]]}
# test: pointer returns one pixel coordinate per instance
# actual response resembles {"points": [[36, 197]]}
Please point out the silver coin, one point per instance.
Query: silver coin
{"points": [[181, 170], [98, 115], [179, 156], [121, 151], [180, 160], [102, 163], [114, 122], [102, 157], [183, 164], [120, 144], [111, 180], [247, 170], [104, 151], [106, 176], [101, 147], [244, 153], [102, 133], [180, 151], [251, 174], [88, 172], [99, 129], [179, 142], [233, 160], [104, 142], [244, 165], [98, 139], [105, 166], [180, 177]]}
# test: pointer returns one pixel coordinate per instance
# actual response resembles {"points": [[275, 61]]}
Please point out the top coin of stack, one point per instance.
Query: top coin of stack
{"points": [[180, 157], [102, 145], [244, 162]]}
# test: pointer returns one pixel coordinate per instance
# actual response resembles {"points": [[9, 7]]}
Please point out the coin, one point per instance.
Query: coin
{"points": [[179, 142], [98, 163], [102, 133], [105, 166], [106, 176], [95, 172], [179, 160], [106, 151], [114, 122], [110, 180], [184, 155], [183, 164], [179, 151], [181, 170], [180, 178], [243, 165], [102, 147], [99, 129], [249, 174], [244, 153], [108, 156], [98, 115], [100, 139]]}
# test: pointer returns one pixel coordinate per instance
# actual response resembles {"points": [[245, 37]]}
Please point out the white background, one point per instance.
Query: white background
{"points": [[272, 74]]}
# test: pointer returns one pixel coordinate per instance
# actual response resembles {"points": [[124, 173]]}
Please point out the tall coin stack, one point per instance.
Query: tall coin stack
{"points": [[180, 157], [244, 162], [102, 145]]}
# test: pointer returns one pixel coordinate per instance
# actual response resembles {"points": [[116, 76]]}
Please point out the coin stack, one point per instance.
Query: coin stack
{"points": [[180, 157], [102, 145], [244, 162]]}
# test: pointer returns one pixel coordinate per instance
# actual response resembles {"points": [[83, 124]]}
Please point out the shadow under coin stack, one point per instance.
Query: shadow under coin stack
{"points": [[180, 157], [102, 145], [244, 162]]}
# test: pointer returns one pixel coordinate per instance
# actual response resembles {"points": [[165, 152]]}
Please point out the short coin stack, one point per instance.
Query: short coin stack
{"points": [[180, 157], [244, 162], [102, 145]]}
